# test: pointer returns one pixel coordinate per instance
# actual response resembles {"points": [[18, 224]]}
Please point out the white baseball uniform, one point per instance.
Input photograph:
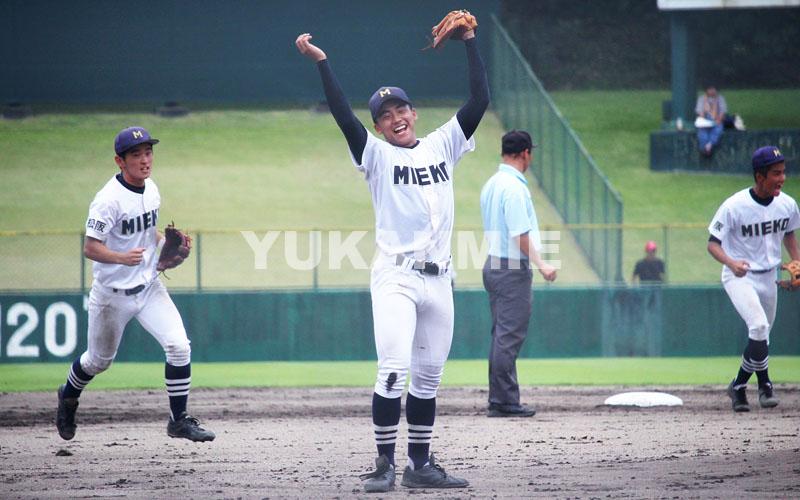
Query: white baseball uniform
{"points": [[754, 233], [412, 193], [124, 217]]}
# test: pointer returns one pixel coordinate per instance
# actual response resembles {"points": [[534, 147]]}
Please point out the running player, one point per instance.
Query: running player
{"points": [[122, 240], [410, 180], [746, 236]]}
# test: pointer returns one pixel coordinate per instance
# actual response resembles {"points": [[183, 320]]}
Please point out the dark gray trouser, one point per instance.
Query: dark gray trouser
{"points": [[510, 298]]}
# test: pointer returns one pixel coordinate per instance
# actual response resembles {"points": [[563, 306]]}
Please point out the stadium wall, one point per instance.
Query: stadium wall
{"points": [[337, 325], [236, 51], [586, 44]]}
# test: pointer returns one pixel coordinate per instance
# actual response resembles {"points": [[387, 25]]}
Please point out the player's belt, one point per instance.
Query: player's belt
{"points": [[425, 267], [761, 271], [129, 291]]}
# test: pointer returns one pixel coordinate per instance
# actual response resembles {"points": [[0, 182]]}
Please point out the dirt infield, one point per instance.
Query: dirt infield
{"points": [[278, 443]]}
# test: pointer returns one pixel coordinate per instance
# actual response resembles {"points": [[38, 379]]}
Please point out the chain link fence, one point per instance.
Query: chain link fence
{"points": [[566, 172], [309, 259]]}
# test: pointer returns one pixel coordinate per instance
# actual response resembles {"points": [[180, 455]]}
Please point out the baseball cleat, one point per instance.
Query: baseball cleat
{"points": [[431, 476], [188, 428], [738, 398], [766, 398], [382, 479], [65, 416]]}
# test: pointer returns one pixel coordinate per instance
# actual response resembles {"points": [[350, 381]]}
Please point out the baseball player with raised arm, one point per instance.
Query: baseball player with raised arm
{"points": [[746, 236], [411, 183], [123, 242]]}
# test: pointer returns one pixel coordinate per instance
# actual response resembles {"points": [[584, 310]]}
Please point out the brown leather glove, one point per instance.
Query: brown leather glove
{"points": [[175, 250], [453, 25], [793, 283]]}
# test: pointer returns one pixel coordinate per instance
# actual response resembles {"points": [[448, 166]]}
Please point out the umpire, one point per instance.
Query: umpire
{"points": [[512, 231]]}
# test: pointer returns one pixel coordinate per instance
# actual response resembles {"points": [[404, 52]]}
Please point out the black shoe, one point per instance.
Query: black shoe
{"points": [[497, 410], [188, 428], [738, 398], [431, 476], [765, 396], [382, 480], [65, 416]]}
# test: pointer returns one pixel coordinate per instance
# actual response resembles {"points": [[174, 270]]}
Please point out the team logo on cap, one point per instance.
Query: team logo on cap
{"points": [[384, 92], [776, 152], [137, 134]]}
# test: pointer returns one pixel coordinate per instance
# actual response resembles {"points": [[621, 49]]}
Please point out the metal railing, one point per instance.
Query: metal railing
{"points": [[566, 172]]}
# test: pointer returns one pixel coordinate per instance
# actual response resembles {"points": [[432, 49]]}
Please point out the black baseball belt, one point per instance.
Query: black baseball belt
{"points": [[425, 267], [129, 291]]}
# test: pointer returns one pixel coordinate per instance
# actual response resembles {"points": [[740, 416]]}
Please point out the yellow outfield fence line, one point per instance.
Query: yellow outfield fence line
{"points": [[545, 227]]}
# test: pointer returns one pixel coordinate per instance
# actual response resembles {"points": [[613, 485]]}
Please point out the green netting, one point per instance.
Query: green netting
{"points": [[569, 176]]}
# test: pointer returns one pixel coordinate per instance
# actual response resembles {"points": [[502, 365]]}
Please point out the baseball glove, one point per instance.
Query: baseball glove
{"points": [[453, 25], [175, 250], [793, 283]]}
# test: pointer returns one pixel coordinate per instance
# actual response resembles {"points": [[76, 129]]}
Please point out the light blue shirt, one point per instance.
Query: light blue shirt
{"points": [[507, 210]]}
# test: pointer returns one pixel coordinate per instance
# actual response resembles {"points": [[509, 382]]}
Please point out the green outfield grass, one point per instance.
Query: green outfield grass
{"points": [[289, 169], [221, 171], [531, 372]]}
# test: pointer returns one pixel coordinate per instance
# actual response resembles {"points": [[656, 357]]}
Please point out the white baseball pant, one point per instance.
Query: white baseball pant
{"points": [[413, 325], [755, 297], [109, 312]]}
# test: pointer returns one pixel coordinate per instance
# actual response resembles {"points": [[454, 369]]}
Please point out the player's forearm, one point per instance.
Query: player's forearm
{"points": [[354, 132], [469, 116], [97, 251], [716, 251]]}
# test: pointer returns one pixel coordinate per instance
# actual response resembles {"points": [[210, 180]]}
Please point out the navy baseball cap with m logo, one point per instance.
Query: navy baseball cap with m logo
{"points": [[766, 156], [384, 94], [132, 137]]}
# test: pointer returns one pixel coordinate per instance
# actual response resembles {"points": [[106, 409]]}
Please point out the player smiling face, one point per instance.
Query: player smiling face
{"points": [[396, 121], [772, 183], [136, 164]]}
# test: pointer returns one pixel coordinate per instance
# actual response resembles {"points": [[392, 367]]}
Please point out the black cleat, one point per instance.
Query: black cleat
{"points": [[382, 479], [65, 416], [766, 398], [738, 398], [431, 476], [188, 428], [497, 410]]}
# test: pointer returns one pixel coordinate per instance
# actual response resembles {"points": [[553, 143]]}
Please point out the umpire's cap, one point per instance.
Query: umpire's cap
{"points": [[384, 94], [131, 137], [517, 141], [766, 156]]}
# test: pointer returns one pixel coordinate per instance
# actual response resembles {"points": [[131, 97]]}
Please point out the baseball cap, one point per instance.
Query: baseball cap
{"points": [[384, 94], [766, 156], [131, 137], [650, 246], [516, 141]]}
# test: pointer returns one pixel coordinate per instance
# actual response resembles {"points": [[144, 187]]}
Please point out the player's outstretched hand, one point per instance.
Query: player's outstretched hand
{"points": [[548, 272], [308, 49], [133, 257]]}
